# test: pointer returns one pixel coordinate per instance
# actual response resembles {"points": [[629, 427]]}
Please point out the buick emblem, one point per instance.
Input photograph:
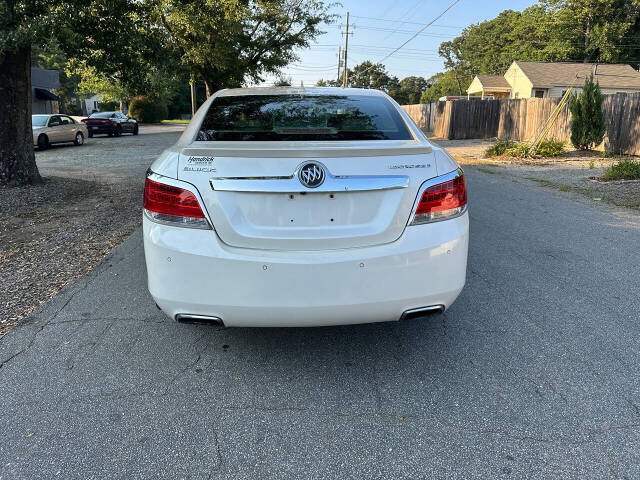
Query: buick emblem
{"points": [[311, 175]]}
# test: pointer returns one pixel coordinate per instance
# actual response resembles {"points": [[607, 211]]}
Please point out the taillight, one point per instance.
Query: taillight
{"points": [[172, 206], [441, 201]]}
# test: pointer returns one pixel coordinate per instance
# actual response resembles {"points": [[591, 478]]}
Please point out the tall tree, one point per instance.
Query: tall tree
{"points": [[594, 29], [328, 83], [409, 90], [102, 31], [372, 75], [553, 30], [451, 82], [490, 47], [229, 42]]}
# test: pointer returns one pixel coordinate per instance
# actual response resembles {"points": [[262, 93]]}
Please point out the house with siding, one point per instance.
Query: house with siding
{"points": [[43, 100], [553, 79], [489, 86]]}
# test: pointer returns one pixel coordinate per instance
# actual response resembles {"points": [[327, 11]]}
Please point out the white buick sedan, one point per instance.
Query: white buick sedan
{"points": [[304, 207]]}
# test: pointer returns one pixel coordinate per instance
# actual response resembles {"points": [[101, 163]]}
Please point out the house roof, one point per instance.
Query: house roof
{"points": [[45, 78], [493, 81], [550, 74]]}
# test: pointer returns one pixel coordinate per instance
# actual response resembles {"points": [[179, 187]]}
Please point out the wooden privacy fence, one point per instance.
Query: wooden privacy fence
{"points": [[522, 119], [423, 114]]}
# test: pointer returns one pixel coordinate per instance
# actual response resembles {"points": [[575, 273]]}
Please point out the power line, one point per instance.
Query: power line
{"points": [[414, 35], [394, 31], [391, 48], [405, 22], [306, 65], [313, 70], [402, 18]]}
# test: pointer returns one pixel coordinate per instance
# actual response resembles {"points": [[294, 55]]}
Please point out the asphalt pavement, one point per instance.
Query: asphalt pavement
{"points": [[533, 372]]}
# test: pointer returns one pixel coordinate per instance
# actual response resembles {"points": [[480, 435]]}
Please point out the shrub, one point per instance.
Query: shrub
{"points": [[587, 119], [550, 148], [509, 148], [499, 148], [623, 170], [73, 109], [109, 106], [519, 150], [147, 110]]}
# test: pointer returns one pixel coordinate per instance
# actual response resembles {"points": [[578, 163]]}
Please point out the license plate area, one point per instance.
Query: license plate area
{"points": [[300, 210]]}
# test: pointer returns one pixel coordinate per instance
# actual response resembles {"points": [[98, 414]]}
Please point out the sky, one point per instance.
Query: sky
{"points": [[379, 26]]}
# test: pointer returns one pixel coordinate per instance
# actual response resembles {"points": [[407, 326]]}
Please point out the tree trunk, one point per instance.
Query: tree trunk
{"points": [[587, 38], [17, 159], [211, 87]]}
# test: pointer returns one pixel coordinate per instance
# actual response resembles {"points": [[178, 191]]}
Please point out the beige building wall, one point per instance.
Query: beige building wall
{"points": [[520, 85], [557, 91], [475, 88]]}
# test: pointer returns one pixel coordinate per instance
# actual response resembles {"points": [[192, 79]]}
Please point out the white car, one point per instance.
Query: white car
{"points": [[52, 128], [304, 207]]}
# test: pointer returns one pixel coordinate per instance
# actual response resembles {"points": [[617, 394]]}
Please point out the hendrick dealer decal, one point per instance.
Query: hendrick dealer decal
{"points": [[200, 164]]}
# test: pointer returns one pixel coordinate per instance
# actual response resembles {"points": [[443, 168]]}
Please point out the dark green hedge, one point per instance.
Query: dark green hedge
{"points": [[147, 110]]}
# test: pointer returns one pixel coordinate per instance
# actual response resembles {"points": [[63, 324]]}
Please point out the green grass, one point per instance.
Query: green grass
{"points": [[176, 121], [623, 170]]}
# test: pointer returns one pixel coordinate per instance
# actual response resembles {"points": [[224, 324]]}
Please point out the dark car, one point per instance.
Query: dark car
{"points": [[110, 123]]}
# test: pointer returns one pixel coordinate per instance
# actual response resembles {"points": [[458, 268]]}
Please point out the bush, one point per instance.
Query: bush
{"points": [[73, 109], [587, 119], [109, 106], [509, 148], [519, 150], [147, 110], [499, 148], [550, 148], [623, 170]]}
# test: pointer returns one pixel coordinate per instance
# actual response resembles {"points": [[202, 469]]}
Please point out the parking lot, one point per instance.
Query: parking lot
{"points": [[533, 372]]}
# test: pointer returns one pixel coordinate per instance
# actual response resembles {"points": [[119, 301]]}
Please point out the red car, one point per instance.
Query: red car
{"points": [[113, 124]]}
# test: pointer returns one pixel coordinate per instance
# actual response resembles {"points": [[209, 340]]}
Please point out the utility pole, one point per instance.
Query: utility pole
{"points": [[193, 98], [339, 61], [345, 78]]}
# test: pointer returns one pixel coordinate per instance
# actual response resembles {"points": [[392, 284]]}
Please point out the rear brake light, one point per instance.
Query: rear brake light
{"points": [[441, 201], [172, 205]]}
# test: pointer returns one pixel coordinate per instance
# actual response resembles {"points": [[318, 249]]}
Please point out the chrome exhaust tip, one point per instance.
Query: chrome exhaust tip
{"points": [[199, 319], [421, 311]]}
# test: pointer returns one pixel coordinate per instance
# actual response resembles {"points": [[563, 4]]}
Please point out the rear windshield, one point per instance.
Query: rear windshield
{"points": [[101, 115], [302, 117]]}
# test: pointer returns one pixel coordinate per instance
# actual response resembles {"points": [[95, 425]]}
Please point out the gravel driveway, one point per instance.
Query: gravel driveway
{"points": [[533, 373], [574, 172], [90, 201]]}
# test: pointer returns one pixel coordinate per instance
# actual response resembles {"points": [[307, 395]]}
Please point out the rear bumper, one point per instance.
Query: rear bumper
{"points": [[193, 272], [100, 129]]}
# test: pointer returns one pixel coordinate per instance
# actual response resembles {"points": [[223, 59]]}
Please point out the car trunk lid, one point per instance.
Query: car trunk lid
{"points": [[256, 197]]}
